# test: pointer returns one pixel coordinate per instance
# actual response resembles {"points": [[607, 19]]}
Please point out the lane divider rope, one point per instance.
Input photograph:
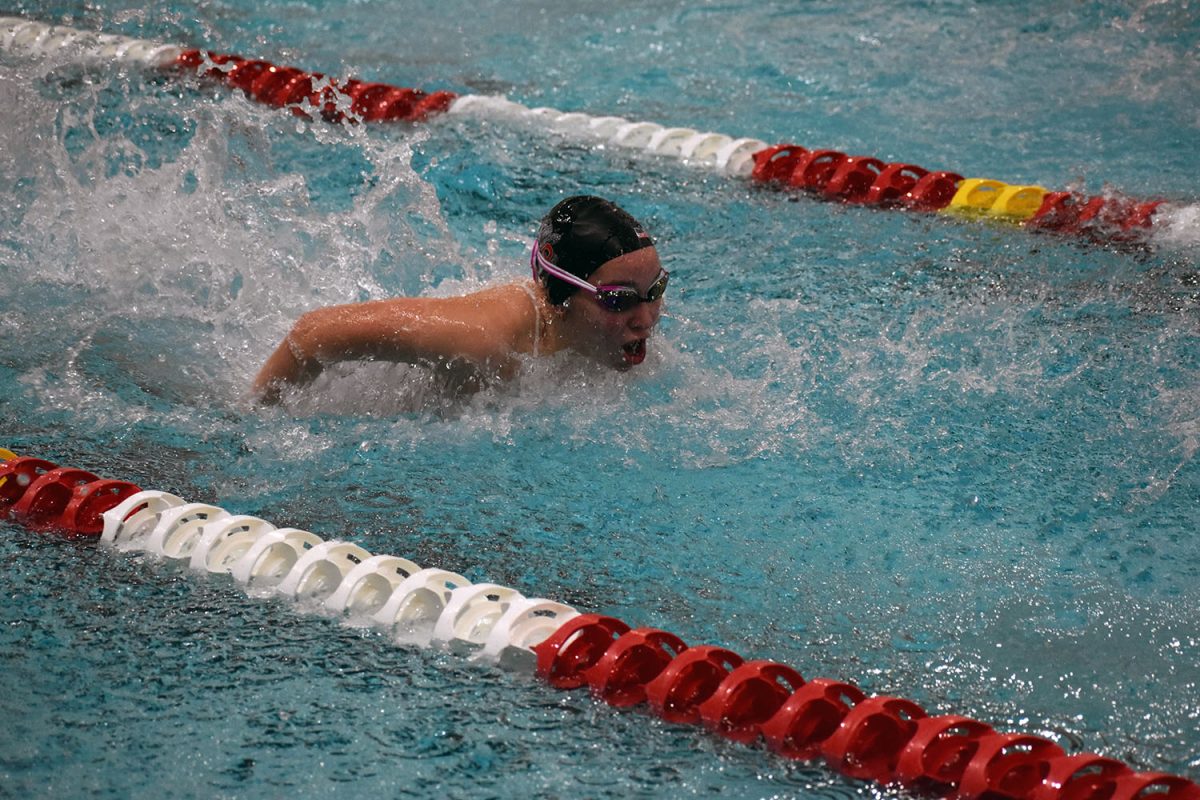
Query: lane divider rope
{"points": [[822, 173], [885, 739]]}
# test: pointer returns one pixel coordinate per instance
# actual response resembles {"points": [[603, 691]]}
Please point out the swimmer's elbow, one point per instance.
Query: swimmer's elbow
{"points": [[293, 363], [306, 339]]}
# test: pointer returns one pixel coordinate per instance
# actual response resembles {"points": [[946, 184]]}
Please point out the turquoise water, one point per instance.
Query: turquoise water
{"points": [[949, 461]]}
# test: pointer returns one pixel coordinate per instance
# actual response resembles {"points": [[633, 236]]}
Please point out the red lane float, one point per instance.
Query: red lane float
{"points": [[620, 676], [809, 717], [691, 678], [44, 500], [564, 658], [16, 475], [933, 191], [749, 696], [1068, 212], [84, 514], [854, 178], [885, 739], [1007, 765], [304, 91], [868, 742], [1083, 776], [935, 757], [893, 183], [45, 497]]}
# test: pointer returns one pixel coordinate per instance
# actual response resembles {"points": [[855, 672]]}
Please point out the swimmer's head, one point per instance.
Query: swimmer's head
{"points": [[579, 235]]}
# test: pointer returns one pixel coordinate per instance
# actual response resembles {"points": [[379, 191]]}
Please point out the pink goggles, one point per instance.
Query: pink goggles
{"points": [[610, 298]]}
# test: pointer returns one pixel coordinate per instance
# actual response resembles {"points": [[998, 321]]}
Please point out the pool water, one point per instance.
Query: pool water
{"points": [[951, 461]]}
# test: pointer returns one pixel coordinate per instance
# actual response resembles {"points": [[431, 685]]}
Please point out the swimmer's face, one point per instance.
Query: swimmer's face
{"points": [[616, 338]]}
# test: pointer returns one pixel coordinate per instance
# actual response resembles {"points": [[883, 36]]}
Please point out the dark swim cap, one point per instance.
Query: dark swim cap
{"points": [[581, 233]]}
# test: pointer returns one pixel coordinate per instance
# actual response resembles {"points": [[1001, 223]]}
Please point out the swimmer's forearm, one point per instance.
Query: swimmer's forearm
{"points": [[323, 336], [284, 368]]}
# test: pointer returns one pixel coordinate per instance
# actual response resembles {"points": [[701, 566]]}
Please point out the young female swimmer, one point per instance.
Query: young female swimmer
{"points": [[597, 289]]}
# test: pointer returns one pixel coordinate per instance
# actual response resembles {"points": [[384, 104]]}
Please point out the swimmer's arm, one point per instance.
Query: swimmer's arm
{"points": [[285, 367], [481, 328]]}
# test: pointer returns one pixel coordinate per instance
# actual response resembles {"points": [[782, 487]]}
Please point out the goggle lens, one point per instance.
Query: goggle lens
{"points": [[624, 298]]}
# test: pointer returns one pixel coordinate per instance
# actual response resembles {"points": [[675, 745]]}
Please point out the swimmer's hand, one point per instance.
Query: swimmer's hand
{"points": [[287, 366]]}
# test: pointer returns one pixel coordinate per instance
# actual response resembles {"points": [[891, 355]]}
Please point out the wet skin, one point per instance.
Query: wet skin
{"points": [[482, 332]]}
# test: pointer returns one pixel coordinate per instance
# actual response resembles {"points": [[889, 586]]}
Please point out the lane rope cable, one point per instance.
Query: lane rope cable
{"points": [[821, 173], [882, 738]]}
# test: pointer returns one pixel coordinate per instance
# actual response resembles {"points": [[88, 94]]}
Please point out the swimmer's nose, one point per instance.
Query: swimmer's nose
{"points": [[644, 316]]}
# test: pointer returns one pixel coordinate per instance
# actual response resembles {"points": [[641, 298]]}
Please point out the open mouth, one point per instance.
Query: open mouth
{"points": [[634, 352]]}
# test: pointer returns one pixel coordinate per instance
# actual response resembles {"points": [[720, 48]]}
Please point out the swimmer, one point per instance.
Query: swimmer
{"points": [[597, 290]]}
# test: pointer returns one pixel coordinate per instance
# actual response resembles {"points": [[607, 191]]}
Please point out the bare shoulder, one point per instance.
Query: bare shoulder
{"points": [[509, 311], [496, 308], [507, 295]]}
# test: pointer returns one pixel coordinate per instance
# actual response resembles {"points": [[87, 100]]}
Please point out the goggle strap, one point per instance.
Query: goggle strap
{"points": [[539, 261]]}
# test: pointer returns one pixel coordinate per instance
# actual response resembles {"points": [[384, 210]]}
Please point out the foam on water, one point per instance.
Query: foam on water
{"points": [[1180, 226]]}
